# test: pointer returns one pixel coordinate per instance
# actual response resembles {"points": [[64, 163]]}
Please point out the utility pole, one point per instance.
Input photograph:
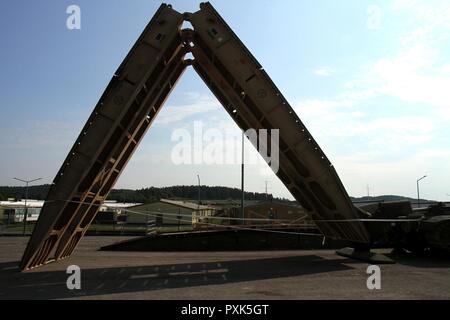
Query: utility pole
{"points": [[198, 178], [27, 182], [266, 189], [418, 193], [242, 179], [267, 198], [197, 213]]}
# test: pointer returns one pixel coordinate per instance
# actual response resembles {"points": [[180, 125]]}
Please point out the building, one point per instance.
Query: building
{"points": [[259, 212], [165, 212], [113, 212], [271, 212], [117, 207], [13, 211]]}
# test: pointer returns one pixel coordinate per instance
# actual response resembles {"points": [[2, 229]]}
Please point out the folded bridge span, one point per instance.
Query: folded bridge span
{"points": [[131, 102]]}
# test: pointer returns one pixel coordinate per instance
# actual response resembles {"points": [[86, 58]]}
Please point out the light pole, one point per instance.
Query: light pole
{"points": [[267, 198], [198, 178], [27, 182], [242, 179], [197, 214], [418, 193]]}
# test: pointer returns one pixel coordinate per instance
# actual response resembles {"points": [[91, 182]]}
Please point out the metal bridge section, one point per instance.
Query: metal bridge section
{"points": [[133, 99]]}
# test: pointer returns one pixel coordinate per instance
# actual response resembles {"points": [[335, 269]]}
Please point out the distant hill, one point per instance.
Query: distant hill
{"points": [[150, 194], [387, 198]]}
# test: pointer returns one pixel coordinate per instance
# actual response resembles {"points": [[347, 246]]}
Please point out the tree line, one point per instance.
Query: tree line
{"points": [[146, 195]]}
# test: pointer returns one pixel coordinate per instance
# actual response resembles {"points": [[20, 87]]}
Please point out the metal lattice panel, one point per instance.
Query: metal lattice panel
{"points": [[123, 114]]}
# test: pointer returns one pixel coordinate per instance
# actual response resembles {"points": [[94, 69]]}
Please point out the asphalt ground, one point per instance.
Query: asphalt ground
{"points": [[300, 274]]}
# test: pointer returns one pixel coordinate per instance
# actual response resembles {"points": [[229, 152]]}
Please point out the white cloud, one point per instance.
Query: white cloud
{"points": [[390, 176], [388, 150], [446, 68], [329, 120], [323, 72], [195, 104], [419, 72], [408, 77]]}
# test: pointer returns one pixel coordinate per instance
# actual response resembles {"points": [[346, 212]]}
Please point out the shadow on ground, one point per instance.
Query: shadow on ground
{"points": [[104, 281], [432, 259]]}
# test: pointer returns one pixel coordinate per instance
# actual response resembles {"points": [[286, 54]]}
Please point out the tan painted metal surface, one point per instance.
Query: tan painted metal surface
{"points": [[253, 100], [133, 99]]}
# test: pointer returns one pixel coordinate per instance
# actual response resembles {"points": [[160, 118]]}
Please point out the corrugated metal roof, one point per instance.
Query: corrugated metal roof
{"points": [[115, 205], [20, 204]]}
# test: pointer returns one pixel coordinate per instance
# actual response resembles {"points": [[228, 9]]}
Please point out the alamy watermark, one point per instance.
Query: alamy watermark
{"points": [[374, 15], [374, 280], [74, 280], [214, 146], [73, 21]]}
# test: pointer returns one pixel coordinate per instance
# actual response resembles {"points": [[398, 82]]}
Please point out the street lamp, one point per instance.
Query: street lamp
{"points": [[27, 182], [418, 194]]}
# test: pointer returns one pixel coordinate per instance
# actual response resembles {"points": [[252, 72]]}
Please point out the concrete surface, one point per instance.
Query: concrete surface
{"points": [[314, 274]]}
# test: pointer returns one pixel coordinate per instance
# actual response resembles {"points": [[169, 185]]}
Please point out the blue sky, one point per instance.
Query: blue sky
{"points": [[370, 79]]}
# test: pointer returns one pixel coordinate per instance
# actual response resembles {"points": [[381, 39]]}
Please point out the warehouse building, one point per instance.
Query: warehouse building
{"points": [[165, 212], [271, 212], [260, 212], [13, 211]]}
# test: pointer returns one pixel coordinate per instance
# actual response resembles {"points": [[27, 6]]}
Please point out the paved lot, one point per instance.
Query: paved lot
{"points": [[318, 274]]}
